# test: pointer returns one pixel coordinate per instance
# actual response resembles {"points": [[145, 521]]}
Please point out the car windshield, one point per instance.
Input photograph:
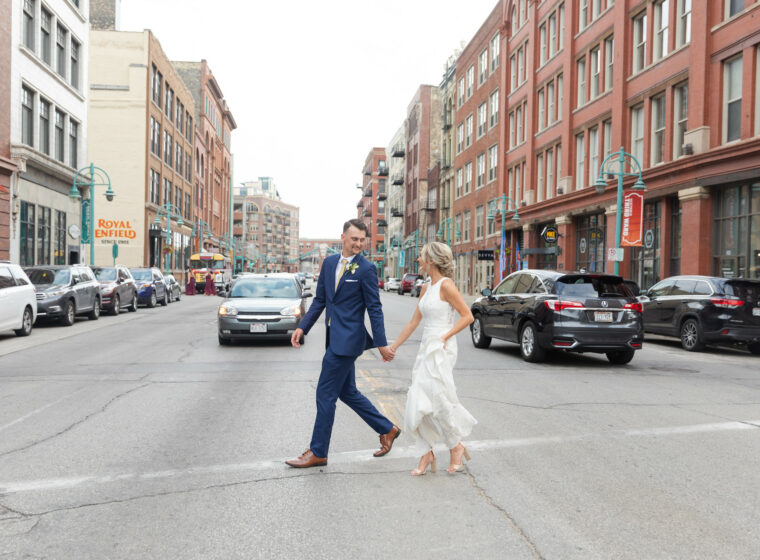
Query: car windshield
{"points": [[105, 274], [591, 286], [40, 276], [747, 291], [264, 288], [207, 263], [142, 274]]}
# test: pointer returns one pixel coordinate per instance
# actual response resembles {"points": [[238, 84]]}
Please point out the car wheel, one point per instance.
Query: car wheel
{"points": [[116, 305], [165, 301], [152, 302], [529, 348], [400, 292], [179, 296], [754, 347], [223, 341], [94, 315], [133, 306], [68, 314], [170, 296], [479, 339], [620, 357], [26, 323], [690, 336]]}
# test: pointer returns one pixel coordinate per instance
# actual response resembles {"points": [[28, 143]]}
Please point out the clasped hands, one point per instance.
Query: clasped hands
{"points": [[387, 352]]}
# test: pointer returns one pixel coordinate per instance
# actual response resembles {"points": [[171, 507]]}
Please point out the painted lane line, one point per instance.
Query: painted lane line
{"points": [[359, 457], [41, 409]]}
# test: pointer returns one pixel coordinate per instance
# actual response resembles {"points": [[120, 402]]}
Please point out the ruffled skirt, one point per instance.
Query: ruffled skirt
{"points": [[433, 411]]}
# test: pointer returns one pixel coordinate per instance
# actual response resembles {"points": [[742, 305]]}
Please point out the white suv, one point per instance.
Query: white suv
{"points": [[18, 300]]}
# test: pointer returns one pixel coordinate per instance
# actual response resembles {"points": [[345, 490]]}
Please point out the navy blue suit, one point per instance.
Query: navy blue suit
{"points": [[347, 338]]}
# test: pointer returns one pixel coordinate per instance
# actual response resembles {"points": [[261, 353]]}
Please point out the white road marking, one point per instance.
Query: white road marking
{"points": [[40, 409], [362, 456]]}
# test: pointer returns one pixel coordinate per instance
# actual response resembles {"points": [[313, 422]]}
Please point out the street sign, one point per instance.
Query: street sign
{"points": [[401, 256], [115, 252], [485, 254], [86, 225], [615, 254], [633, 219], [550, 234]]}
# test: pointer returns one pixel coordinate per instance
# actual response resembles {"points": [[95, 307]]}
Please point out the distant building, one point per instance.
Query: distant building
{"points": [[312, 252], [371, 206], [394, 205]]}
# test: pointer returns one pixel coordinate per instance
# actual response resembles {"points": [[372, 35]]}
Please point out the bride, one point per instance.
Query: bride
{"points": [[433, 411]]}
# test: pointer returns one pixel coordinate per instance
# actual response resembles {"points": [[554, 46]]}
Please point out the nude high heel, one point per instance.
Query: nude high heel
{"points": [[456, 467], [431, 464]]}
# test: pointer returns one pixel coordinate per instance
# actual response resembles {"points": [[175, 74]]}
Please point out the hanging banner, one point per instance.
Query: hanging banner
{"points": [[633, 219]]}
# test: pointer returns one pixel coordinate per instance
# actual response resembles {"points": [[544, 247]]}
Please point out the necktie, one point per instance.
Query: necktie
{"points": [[343, 263]]}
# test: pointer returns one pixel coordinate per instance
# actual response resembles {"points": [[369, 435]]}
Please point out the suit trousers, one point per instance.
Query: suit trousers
{"points": [[338, 381]]}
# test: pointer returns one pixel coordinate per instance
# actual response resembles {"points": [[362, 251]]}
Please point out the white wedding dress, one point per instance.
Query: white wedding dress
{"points": [[433, 411]]}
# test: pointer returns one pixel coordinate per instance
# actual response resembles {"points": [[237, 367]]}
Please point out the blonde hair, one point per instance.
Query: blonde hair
{"points": [[440, 255]]}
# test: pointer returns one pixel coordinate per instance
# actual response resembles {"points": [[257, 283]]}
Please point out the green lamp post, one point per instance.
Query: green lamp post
{"points": [[198, 232], [96, 177], [501, 204], [620, 157], [168, 211]]}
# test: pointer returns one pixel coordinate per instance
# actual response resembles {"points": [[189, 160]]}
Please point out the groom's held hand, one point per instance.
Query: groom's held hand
{"points": [[387, 353], [295, 340]]}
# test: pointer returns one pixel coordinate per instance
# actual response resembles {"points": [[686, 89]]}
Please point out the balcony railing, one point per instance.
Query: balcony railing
{"points": [[396, 213], [360, 204], [430, 205], [382, 195], [397, 179], [398, 150], [381, 223], [446, 120], [367, 212], [382, 171]]}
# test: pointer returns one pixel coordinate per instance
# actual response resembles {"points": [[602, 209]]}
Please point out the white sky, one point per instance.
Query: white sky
{"points": [[313, 86]]}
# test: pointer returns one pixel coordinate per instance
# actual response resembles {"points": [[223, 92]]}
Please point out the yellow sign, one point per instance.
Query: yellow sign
{"points": [[115, 229]]}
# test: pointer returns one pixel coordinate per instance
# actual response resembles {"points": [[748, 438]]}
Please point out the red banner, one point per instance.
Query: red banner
{"points": [[632, 234]]}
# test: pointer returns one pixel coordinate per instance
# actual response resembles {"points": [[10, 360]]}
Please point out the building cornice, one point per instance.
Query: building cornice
{"points": [[29, 157]]}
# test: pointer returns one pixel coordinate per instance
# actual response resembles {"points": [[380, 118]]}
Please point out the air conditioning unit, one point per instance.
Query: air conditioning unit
{"points": [[560, 190]]}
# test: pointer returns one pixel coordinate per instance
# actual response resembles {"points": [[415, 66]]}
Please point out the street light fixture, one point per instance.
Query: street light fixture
{"points": [[168, 211], [97, 178], [601, 185], [500, 204]]}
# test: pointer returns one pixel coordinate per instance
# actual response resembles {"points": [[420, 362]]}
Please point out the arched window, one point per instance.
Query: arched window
{"points": [[515, 23]]}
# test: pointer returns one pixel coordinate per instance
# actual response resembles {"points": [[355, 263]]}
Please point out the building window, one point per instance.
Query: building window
{"points": [[542, 44], [637, 133], [512, 129], [44, 227], [732, 95], [609, 48], [593, 153], [495, 51], [468, 131], [59, 255], [521, 65], [74, 74], [154, 186], [580, 161], [681, 116], [27, 116], [168, 148], [683, 20], [583, 15], [479, 222], [470, 81], [458, 229], [590, 245], [494, 102], [561, 25], [645, 261], [26, 243], [596, 72], [675, 236], [481, 165], [460, 92], [639, 42], [459, 182], [73, 143], [493, 162], [733, 7], [519, 119], [512, 73], [539, 177], [560, 97], [60, 132], [60, 51], [607, 139], [581, 71], [29, 24], [549, 173], [46, 28], [157, 86], [540, 110], [482, 67], [460, 138], [661, 23], [466, 226], [552, 35], [550, 115], [737, 231], [658, 129], [44, 127], [482, 113], [169, 102], [178, 158], [467, 177]]}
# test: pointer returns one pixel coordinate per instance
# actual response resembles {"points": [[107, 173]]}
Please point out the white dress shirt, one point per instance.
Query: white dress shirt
{"points": [[340, 264]]}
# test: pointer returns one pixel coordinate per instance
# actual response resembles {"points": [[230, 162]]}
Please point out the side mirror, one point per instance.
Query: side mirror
{"points": [[642, 299], [486, 292], [307, 295]]}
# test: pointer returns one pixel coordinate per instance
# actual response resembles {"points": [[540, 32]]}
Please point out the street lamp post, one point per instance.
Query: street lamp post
{"points": [[447, 229], [601, 184], [417, 237], [500, 204], [97, 178], [198, 231], [168, 211]]}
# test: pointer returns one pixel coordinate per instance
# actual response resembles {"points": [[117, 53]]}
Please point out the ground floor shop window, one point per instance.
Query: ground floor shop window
{"points": [[43, 235], [645, 260], [736, 247], [589, 252], [26, 245], [59, 256], [675, 237], [546, 260]]}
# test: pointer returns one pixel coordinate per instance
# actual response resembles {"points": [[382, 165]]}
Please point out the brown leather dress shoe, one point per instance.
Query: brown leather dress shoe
{"points": [[386, 441], [307, 459]]}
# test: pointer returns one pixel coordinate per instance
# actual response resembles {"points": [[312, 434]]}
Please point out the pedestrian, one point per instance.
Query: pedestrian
{"points": [[347, 287], [190, 286], [433, 411], [209, 289]]}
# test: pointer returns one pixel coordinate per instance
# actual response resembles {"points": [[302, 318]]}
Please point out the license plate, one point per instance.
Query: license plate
{"points": [[756, 312], [603, 316], [258, 327]]}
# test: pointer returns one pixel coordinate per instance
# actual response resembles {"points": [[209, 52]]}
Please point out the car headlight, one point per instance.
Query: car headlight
{"points": [[227, 311], [56, 293], [291, 310], [145, 285], [108, 289]]}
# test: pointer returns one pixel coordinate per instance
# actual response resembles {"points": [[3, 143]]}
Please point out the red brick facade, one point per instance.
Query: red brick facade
{"points": [[371, 206], [6, 166]]}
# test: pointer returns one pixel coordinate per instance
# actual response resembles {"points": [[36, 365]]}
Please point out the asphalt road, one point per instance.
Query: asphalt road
{"points": [[138, 436]]}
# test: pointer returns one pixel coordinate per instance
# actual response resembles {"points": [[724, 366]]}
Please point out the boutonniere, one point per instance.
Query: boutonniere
{"points": [[352, 267]]}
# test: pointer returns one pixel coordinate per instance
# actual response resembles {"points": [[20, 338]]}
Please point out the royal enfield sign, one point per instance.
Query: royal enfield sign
{"points": [[633, 219], [485, 254]]}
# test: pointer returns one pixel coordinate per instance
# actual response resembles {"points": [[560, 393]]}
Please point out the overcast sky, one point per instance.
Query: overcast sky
{"points": [[313, 86]]}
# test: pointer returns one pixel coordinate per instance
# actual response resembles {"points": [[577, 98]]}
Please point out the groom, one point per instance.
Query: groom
{"points": [[347, 286]]}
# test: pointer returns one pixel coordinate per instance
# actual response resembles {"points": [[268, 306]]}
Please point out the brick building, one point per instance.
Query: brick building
{"points": [[7, 167], [371, 205], [312, 252], [212, 151], [394, 213]]}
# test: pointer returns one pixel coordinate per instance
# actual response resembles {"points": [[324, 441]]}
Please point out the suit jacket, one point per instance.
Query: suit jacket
{"points": [[345, 306]]}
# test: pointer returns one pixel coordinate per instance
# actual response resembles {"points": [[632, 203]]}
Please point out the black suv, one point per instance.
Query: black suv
{"points": [[544, 309], [117, 288], [64, 291], [705, 309]]}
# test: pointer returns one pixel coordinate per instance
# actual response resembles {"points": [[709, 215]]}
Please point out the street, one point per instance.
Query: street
{"points": [[138, 436]]}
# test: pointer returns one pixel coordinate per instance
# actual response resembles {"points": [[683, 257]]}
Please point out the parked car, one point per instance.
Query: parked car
{"points": [[577, 312], [703, 310], [18, 302], [262, 306], [418, 284], [64, 291], [173, 287], [301, 278], [407, 283], [117, 288], [151, 287], [391, 284], [309, 276], [380, 283]]}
